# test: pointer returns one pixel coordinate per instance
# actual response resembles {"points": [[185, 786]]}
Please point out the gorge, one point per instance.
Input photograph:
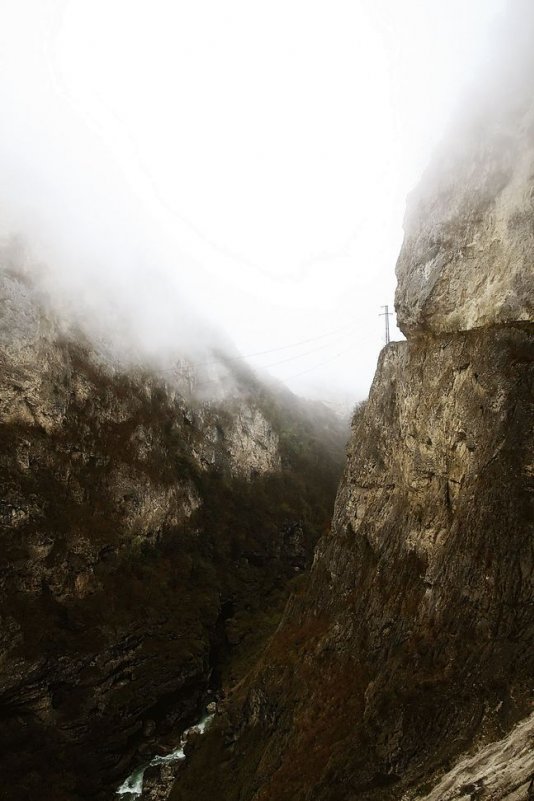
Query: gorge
{"points": [[210, 596]]}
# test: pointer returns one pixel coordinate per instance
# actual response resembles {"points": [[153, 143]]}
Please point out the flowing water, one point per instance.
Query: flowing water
{"points": [[132, 787]]}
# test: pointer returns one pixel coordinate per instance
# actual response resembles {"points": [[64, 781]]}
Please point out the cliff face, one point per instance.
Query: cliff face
{"points": [[406, 662], [143, 537], [466, 261], [414, 638]]}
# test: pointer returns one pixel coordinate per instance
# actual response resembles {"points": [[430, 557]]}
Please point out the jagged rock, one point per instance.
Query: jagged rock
{"points": [[158, 781], [501, 771]]}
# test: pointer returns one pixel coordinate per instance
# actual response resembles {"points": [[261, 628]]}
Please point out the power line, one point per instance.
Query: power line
{"points": [[386, 315], [284, 361], [345, 328], [301, 355], [321, 364]]}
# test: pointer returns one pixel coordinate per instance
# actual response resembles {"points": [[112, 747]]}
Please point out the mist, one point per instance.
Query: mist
{"points": [[186, 176]]}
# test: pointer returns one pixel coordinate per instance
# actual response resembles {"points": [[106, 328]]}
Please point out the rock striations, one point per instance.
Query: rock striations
{"points": [[403, 669]]}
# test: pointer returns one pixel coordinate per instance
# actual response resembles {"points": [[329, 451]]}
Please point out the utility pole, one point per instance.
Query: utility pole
{"points": [[386, 315]]}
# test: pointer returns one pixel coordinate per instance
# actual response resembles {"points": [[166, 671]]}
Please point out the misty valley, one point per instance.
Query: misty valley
{"points": [[266, 535]]}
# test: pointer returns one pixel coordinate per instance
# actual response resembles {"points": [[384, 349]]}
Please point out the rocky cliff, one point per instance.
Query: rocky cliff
{"points": [[403, 669], [146, 535]]}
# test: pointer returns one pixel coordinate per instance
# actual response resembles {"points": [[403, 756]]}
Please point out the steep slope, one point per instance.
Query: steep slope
{"points": [[502, 771], [411, 647], [146, 537]]}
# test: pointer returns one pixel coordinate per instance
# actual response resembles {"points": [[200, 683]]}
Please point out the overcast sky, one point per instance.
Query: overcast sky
{"points": [[248, 160]]}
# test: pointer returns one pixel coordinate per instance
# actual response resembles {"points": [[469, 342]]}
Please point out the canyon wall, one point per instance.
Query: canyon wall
{"points": [[145, 536]]}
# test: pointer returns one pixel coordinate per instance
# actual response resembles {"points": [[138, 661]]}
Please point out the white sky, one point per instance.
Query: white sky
{"points": [[251, 158]]}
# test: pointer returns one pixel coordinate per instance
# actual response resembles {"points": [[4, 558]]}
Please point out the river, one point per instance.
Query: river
{"points": [[132, 787]]}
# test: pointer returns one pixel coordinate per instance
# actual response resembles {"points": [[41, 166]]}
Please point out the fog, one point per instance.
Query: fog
{"points": [[186, 173]]}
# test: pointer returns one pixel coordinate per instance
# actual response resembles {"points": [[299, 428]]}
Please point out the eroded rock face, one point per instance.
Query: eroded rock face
{"points": [[253, 445], [501, 771], [243, 440], [415, 635], [131, 521]]}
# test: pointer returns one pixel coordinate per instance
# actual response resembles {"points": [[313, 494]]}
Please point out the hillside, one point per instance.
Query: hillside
{"points": [[149, 540]]}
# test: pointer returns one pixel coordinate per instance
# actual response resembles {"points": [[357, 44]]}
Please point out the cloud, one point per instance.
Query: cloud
{"points": [[197, 168]]}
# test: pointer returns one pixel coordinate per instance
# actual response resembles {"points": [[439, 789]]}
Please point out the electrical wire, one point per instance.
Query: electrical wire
{"points": [[301, 355], [321, 364], [291, 358], [346, 328]]}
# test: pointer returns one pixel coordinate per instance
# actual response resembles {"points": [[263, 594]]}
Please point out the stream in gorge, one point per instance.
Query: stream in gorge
{"points": [[132, 787]]}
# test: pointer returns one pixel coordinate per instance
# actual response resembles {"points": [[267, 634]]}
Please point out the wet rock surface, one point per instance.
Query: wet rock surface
{"points": [[159, 780]]}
